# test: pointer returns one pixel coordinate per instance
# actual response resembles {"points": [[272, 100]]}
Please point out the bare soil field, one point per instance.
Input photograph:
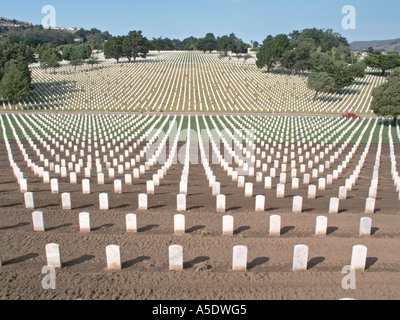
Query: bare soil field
{"points": [[207, 271]]}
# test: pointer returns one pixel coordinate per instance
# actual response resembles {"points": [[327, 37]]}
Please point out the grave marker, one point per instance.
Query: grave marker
{"points": [[365, 226], [359, 257], [275, 225], [53, 255], [227, 225], [142, 199], [175, 258], [239, 261], [179, 224], [38, 221], [103, 201], [300, 257], [84, 222], [131, 222], [113, 254], [321, 226], [66, 201]]}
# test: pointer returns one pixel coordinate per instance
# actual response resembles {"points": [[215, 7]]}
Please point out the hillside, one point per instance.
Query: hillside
{"points": [[4, 22], [185, 81], [381, 45]]}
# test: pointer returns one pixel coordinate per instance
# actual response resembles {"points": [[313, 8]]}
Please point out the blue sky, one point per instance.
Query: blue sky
{"points": [[248, 19]]}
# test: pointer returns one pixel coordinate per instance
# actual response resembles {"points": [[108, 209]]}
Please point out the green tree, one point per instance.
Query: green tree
{"points": [[50, 58], [92, 61], [226, 43], [358, 70], [272, 51], [208, 43], [113, 48], [386, 98], [383, 61], [321, 82], [134, 45], [14, 85]]}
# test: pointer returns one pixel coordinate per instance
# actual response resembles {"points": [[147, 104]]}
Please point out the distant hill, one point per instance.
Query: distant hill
{"points": [[4, 22], [380, 45]]}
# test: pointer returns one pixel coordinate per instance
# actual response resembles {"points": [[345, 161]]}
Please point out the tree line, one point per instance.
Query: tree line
{"points": [[324, 55]]}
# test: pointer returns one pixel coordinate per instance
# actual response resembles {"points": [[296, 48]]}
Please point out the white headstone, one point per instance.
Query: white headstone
{"points": [[113, 254], [179, 224], [181, 202], [128, 179], [321, 184], [131, 222], [66, 201], [334, 205], [84, 222], [241, 182], [54, 185], [38, 221], [260, 203], [53, 255], [29, 202], [268, 183], [365, 226], [86, 186], [359, 257], [295, 183], [321, 226], [280, 190], [275, 225], [118, 186], [300, 257], [221, 203], [142, 199], [239, 261], [183, 187], [312, 191], [23, 185], [216, 188], [103, 201], [248, 191], [342, 193], [297, 206], [370, 205], [175, 258], [72, 178], [100, 178], [227, 225]]}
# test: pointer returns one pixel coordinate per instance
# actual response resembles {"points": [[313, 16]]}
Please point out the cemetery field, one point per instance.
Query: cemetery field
{"points": [[189, 82], [205, 183]]}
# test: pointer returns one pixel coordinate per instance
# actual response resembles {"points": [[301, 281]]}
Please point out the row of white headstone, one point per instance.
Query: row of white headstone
{"points": [[180, 229], [239, 259]]}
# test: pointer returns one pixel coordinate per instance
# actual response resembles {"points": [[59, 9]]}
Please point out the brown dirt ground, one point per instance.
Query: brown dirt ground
{"points": [[207, 271]]}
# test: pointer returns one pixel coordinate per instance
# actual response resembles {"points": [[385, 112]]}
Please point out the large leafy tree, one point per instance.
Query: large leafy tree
{"points": [[386, 98], [134, 45], [272, 51], [208, 43], [113, 48], [321, 82], [383, 62], [50, 58], [15, 84], [226, 43]]}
